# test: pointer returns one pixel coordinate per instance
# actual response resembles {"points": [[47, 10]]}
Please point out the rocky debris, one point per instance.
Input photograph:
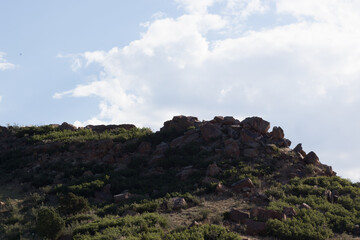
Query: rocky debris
{"points": [[180, 124], [311, 158], [289, 212], [2, 205], [244, 185], [210, 132], [236, 215], [264, 214], [177, 203], [304, 206], [257, 124], [67, 126], [232, 148], [298, 149], [103, 128], [255, 228], [212, 170]]}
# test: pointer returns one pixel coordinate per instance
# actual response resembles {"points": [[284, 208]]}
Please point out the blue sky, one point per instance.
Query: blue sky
{"points": [[294, 63]]}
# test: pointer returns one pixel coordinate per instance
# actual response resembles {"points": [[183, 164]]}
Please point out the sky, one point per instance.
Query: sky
{"points": [[294, 63]]}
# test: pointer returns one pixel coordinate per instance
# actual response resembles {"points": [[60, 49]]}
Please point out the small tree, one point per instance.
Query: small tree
{"points": [[49, 224]]}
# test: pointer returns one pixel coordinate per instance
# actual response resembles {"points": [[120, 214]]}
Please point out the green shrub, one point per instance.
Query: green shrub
{"points": [[72, 204], [307, 225], [48, 223], [205, 232]]}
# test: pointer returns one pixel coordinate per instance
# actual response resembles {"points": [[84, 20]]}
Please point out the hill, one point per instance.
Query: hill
{"points": [[218, 179]]}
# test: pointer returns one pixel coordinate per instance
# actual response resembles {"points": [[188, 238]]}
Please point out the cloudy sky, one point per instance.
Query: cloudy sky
{"points": [[294, 63]]}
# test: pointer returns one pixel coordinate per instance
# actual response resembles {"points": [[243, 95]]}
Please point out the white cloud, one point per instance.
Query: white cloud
{"points": [[0, 99], [4, 64], [298, 74]]}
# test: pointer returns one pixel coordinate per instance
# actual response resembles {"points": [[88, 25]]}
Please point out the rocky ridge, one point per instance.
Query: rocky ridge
{"points": [[208, 155]]}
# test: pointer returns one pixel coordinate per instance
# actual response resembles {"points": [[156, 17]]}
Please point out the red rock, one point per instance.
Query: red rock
{"points": [[239, 186], [311, 158], [289, 212], [177, 203], [251, 152], [256, 123], [67, 126], [184, 140], [264, 214], [277, 133], [212, 170], [144, 148], [179, 124], [231, 148], [299, 149], [210, 131], [237, 215]]}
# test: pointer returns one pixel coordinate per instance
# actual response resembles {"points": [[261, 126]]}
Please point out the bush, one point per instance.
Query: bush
{"points": [[206, 232], [72, 204], [48, 223], [307, 225]]}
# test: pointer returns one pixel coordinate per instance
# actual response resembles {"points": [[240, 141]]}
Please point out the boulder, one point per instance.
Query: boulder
{"points": [[248, 136], [210, 132], [242, 185], [177, 203], [231, 148], [239, 216], [289, 212], [67, 126], [256, 123], [185, 139], [304, 206], [328, 171], [299, 149], [161, 148], [228, 120], [251, 152], [264, 214], [180, 124], [124, 196], [221, 189], [212, 170], [311, 158], [255, 228], [144, 148], [277, 133]]}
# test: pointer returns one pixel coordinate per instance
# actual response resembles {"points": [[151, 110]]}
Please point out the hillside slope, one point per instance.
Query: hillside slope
{"points": [[218, 179]]}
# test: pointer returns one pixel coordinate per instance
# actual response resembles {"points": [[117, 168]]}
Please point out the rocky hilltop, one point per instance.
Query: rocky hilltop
{"points": [[218, 179]]}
